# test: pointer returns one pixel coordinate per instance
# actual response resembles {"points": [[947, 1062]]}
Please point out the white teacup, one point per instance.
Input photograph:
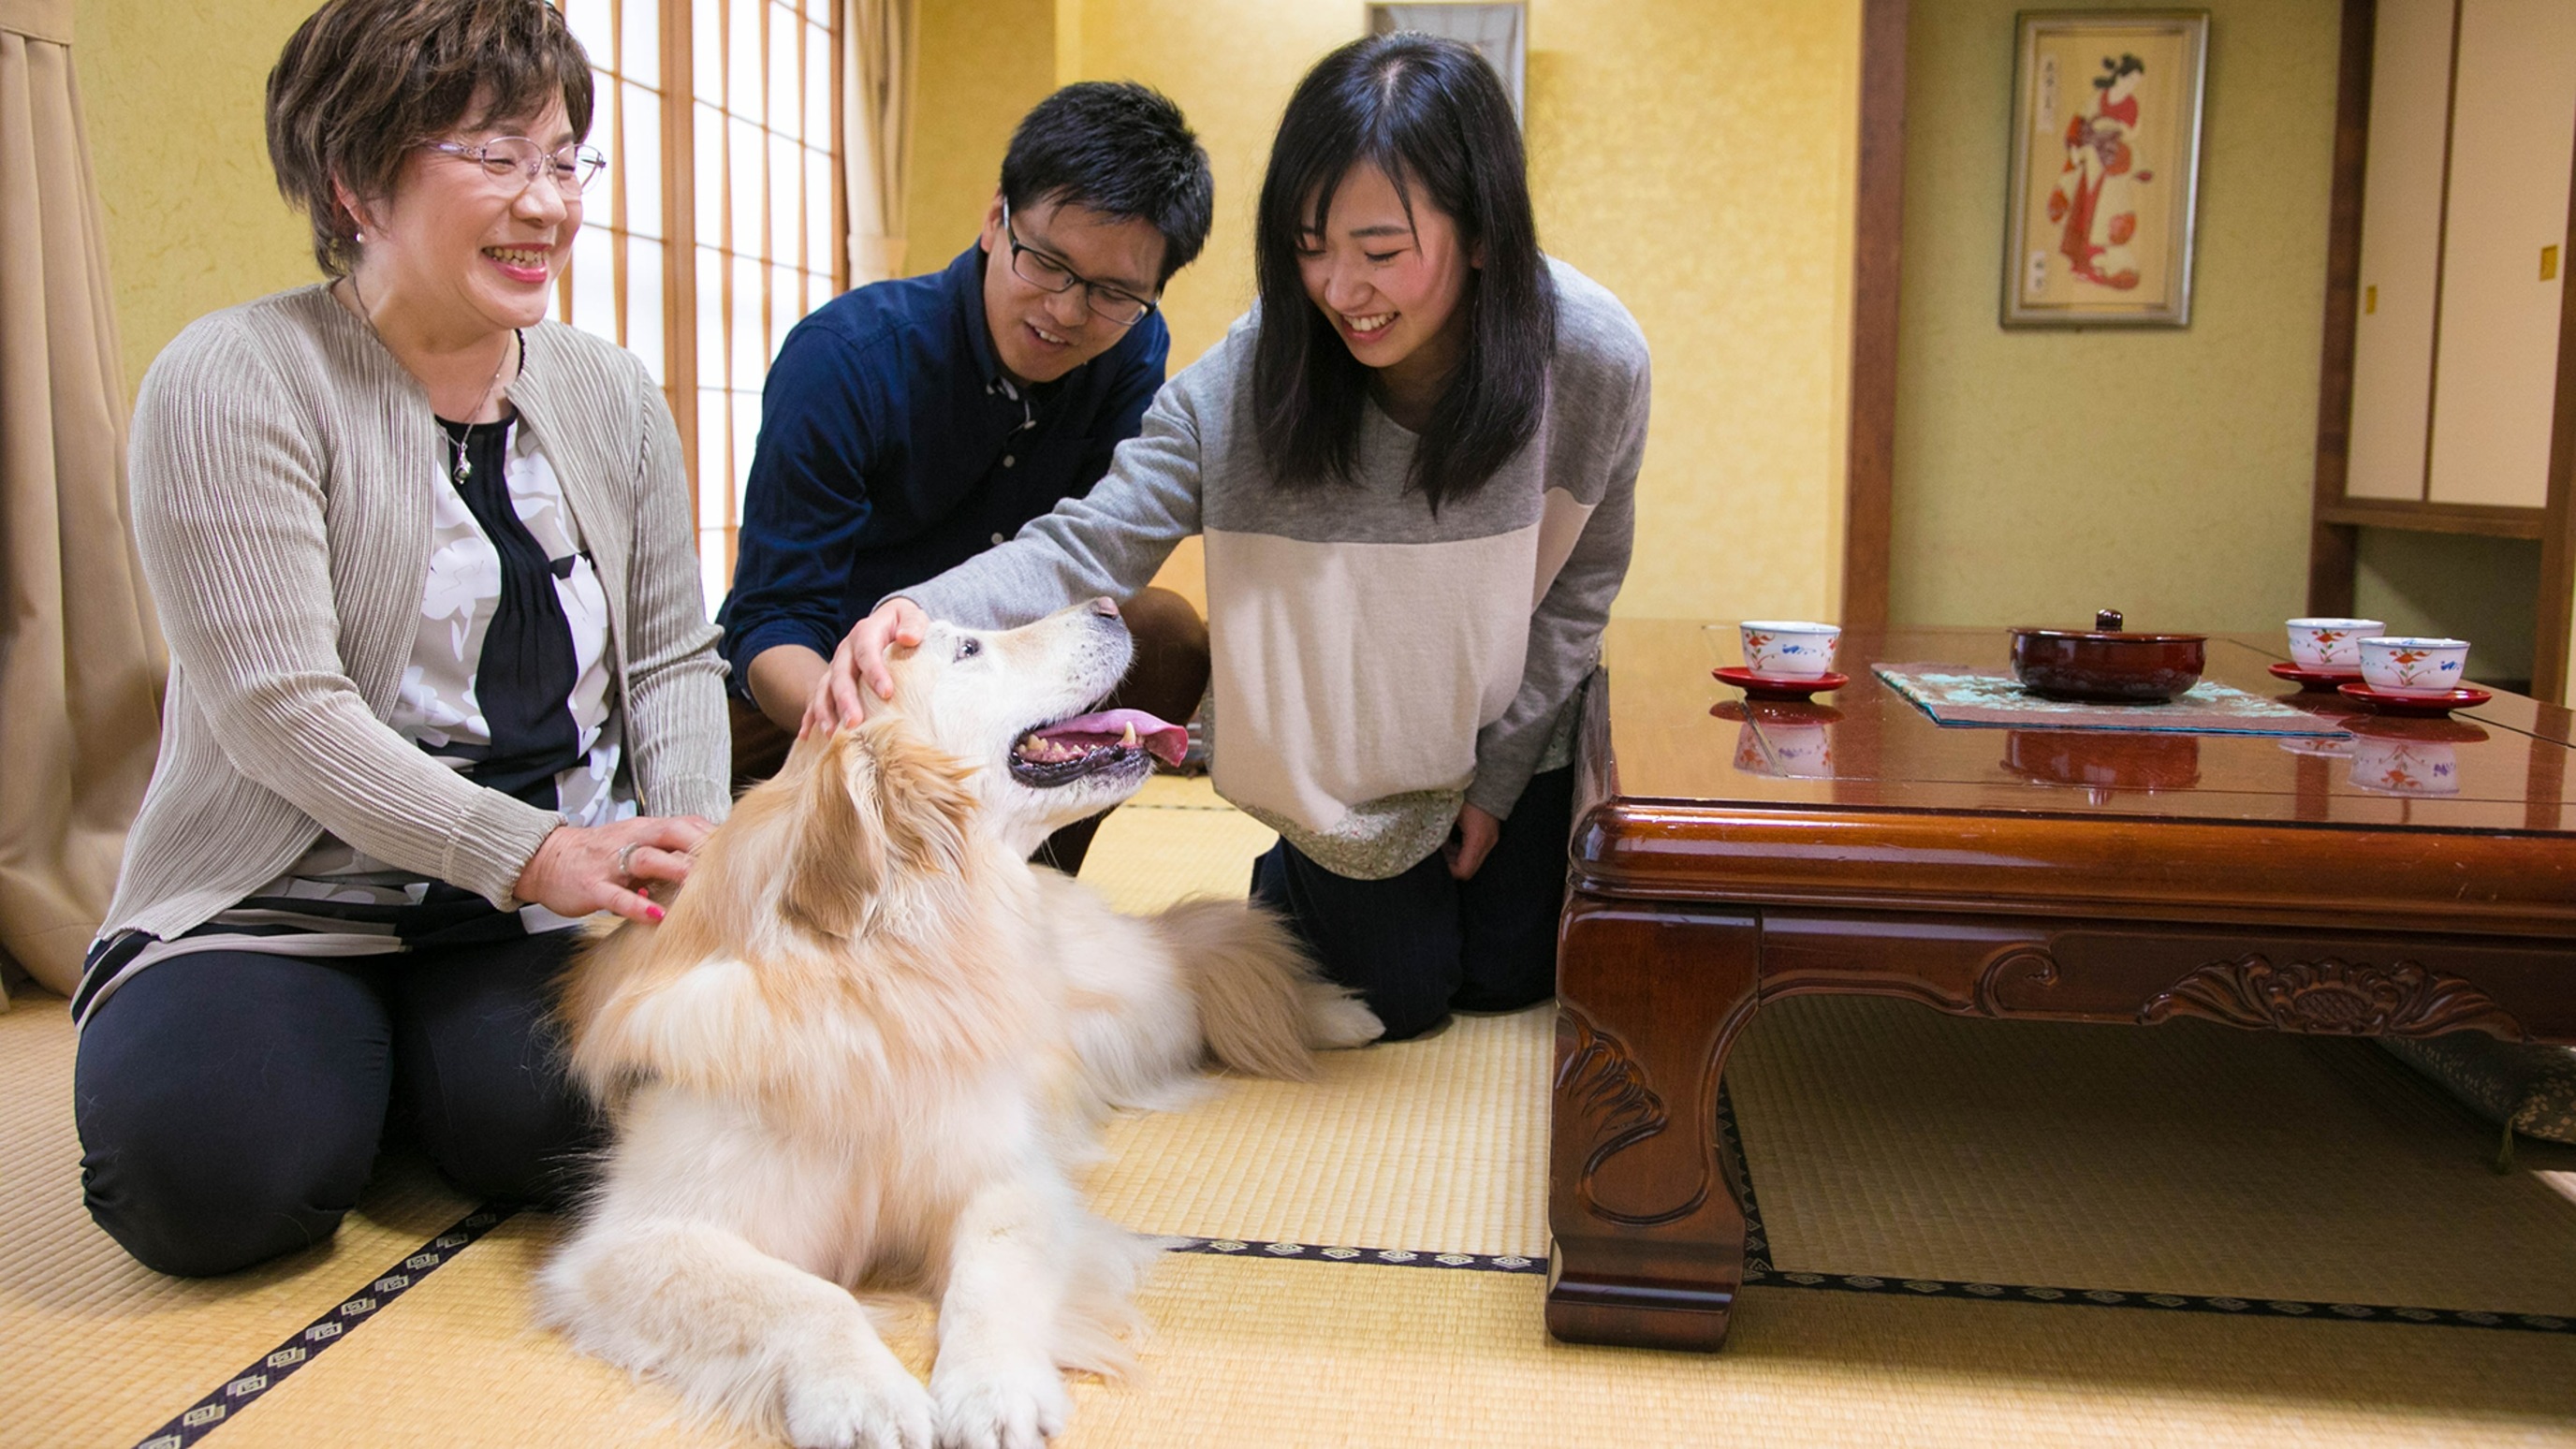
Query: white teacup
{"points": [[1801, 751], [1796, 750], [2423, 668], [1794, 649], [2405, 767], [2330, 643]]}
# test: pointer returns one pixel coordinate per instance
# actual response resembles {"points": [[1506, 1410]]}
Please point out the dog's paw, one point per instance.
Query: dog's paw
{"points": [[1335, 1018], [997, 1406], [864, 1405]]}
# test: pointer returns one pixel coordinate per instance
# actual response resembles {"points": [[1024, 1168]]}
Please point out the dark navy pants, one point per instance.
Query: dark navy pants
{"points": [[1421, 944], [230, 1102]]}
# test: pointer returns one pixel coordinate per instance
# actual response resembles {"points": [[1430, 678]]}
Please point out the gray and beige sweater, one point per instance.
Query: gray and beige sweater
{"points": [[1375, 664], [284, 469]]}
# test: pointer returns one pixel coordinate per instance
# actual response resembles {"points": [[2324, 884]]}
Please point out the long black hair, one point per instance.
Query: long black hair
{"points": [[1433, 116]]}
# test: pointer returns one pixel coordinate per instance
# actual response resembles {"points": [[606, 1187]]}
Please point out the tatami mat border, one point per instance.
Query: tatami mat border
{"points": [[1220, 808], [1759, 1272], [244, 1389], [2166, 1302], [1381, 1257]]}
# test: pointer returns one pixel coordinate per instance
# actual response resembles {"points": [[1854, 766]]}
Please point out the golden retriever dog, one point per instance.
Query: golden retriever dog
{"points": [[870, 1046]]}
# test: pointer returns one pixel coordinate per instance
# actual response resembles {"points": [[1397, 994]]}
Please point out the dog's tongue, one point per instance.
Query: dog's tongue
{"points": [[1165, 741]]}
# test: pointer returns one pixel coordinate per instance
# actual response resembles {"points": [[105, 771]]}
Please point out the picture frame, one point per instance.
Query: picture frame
{"points": [[2103, 192], [1498, 31]]}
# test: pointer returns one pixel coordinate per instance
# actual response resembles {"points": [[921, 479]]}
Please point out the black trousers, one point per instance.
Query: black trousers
{"points": [[1421, 944], [230, 1103]]}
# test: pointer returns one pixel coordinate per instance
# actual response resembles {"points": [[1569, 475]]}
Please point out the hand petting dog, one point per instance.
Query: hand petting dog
{"points": [[582, 870], [862, 656]]}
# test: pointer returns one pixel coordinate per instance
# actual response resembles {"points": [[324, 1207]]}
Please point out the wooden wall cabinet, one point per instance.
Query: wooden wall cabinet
{"points": [[2449, 387]]}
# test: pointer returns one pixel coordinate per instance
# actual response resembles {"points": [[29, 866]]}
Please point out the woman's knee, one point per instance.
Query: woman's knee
{"points": [[1407, 1008], [229, 1106], [189, 1188], [512, 1142]]}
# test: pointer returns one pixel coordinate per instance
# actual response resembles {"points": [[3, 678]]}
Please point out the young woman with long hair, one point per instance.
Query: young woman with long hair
{"points": [[1414, 463]]}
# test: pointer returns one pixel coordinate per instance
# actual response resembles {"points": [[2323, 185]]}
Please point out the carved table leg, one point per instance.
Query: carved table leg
{"points": [[1649, 1233]]}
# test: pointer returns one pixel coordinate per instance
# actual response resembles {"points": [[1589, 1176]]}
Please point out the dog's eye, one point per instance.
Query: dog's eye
{"points": [[969, 648]]}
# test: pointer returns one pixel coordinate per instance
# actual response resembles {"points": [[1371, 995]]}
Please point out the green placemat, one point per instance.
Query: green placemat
{"points": [[1954, 694]]}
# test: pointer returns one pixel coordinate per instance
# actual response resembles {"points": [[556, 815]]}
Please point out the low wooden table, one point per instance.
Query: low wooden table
{"points": [[1726, 854]]}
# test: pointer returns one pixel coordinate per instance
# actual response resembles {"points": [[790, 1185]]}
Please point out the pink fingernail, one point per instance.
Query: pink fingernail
{"points": [[653, 913]]}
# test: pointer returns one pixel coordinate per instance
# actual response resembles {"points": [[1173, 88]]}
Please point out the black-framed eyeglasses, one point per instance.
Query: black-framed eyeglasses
{"points": [[572, 167], [1114, 305]]}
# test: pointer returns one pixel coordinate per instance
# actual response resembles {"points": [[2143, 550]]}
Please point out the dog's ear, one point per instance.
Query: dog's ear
{"points": [[838, 859], [876, 802], [923, 799]]}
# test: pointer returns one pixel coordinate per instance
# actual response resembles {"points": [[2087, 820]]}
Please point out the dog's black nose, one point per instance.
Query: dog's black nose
{"points": [[1105, 607]]}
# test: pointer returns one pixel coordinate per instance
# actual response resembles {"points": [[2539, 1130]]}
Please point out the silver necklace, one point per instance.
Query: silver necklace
{"points": [[459, 467]]}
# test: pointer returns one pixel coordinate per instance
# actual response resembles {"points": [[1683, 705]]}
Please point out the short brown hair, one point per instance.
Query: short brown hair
{"points": [[364, 81]]}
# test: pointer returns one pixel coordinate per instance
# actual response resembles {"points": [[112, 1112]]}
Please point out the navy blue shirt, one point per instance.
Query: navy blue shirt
{"points": [[893, 448]]}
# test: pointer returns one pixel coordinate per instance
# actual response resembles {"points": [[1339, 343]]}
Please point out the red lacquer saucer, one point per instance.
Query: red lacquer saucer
{"points": [[2315, 681], [2425, 704], [1779, 686], [1776, 711]]}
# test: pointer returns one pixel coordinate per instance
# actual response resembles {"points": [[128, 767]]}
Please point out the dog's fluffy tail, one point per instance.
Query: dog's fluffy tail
{"points": [[1262, 1006]]}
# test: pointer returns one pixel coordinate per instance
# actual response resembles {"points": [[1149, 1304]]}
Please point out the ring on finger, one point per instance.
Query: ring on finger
{"points": [[626, 860]]}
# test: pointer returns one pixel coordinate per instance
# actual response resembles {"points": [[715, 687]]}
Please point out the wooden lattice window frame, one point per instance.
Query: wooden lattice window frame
{"points": [[712, 387]]}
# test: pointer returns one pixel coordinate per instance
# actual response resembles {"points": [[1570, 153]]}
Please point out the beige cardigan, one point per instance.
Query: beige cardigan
{"points": [[280, 461]]}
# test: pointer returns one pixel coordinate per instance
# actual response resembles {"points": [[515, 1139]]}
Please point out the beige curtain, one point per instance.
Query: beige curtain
{"points": [[883, 39], [81, 657]]}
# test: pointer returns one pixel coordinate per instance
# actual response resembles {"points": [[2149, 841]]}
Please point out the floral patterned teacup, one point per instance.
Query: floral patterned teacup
{"points": [[2424, 668], [1798, 750], [1795, 650], [2405, 767], [2330, 643]]}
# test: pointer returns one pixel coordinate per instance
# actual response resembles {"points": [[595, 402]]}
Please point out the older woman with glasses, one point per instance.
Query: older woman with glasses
{"points": [[442, 681]]}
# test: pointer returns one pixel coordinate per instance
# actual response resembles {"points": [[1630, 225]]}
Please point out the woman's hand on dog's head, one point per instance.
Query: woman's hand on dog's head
{"points": [[581, 870], [861, 656]]}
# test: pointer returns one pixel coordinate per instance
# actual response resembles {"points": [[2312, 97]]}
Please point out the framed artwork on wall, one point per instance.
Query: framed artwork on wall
{"points": [[2105, 167], [1499, 32]]}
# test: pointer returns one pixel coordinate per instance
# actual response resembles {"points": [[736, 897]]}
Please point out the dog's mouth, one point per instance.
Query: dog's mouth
{"points": [[1087, 744]]}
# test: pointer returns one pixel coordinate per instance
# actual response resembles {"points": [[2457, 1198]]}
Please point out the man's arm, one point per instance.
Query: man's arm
{"points": [[824, 410], [781, 681]]}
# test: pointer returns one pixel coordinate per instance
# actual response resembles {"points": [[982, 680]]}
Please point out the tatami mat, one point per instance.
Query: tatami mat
{"points": [[1251, 1354], [1434, 1145], [1437, 1146], [1174, 840], [101, 1350], [2191, 1158], [1881, 1139]]}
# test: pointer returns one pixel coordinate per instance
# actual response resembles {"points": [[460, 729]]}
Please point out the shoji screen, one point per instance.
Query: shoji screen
{"points": [[715, 227], [761, 111], [617, 285]]}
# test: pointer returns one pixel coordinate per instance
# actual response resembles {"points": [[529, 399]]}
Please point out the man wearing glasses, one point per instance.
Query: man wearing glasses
{"points": [[911, 424]]}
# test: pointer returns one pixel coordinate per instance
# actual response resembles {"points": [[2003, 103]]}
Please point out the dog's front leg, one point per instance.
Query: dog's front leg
{"points": [[996, 1384], [737, 1331]]}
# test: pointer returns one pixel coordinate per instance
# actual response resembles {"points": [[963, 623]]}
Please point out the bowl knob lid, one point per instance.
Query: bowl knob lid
{"points": [[2107, 620]]}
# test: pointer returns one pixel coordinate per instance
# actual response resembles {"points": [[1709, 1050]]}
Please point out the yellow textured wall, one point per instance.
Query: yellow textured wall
{"points": [[171, 95], [2043, 474], [2458, 586], [983, 63], [1698, 160], [1695, 158]]}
